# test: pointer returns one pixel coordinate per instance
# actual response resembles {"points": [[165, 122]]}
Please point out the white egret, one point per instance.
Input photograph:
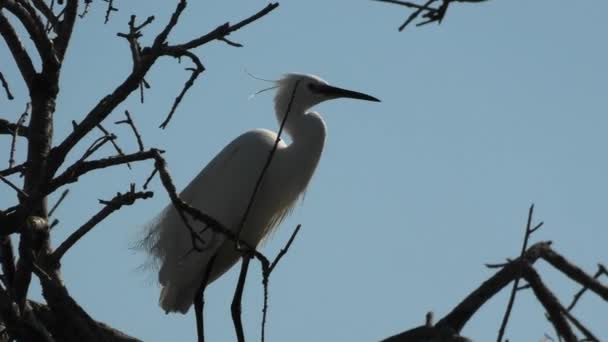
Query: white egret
{"points": [[224, 188]]}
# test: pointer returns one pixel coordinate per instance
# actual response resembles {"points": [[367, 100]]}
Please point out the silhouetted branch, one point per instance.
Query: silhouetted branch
{"points": [[580, 326], [268, 160], [96, 145], [27, 16], [47, 12], [196, 71], [71, 174], [65, 28], [601, 269], [551, 304], [12, 170], [529, 230], [18, 125], [429, 14], [575, 273], [61, 198], [7, 90], [266, 271], [147, 58], [113, 141], [13, 186], [130, 122], [109, 10], [20, 56], [149, 179], [110, 206]]}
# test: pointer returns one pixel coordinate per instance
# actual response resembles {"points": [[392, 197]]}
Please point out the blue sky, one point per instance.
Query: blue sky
{"points": [[501, 106]]}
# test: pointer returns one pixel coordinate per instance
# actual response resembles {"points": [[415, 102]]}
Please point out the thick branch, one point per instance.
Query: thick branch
{"points": [[47, 12], [575, 273], [23, 60], [550, 303], [35, 28], [64, 32]]}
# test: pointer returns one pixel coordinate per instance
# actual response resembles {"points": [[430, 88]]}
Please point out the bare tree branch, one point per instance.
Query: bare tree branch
{"points": [[21, 57], [110, 206], [34, 26], [18, 125], [430, 14], [7, 90], [551, 304], [129, 121], [71, 174], [132, 82], [600, 270], [524, 247]]}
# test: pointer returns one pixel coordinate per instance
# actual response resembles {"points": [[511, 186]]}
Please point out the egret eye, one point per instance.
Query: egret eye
{"points": [[312, 87]]}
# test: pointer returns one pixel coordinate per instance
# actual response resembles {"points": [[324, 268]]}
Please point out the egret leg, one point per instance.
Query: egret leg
{"points": [[236, 301], [199, 301]]}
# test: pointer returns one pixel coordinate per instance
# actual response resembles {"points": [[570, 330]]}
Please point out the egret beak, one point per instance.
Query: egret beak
{"points": [[335, 92]]}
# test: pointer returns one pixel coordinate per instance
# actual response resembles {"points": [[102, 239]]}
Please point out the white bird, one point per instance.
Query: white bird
{"points": [[224, 188]]}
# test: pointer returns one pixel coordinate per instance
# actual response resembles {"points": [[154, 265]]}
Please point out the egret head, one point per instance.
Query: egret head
{"points": [[308, 91]]}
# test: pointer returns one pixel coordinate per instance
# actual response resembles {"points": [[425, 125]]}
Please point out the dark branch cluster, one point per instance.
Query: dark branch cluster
{"points": [[49, 26], [425, 12], [513, 271]]}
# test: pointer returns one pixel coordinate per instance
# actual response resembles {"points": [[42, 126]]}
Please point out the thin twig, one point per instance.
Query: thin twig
{"points": [[97, 144], [268, 160], [110, 206], [71, 174], [150, 178], [13, 186], [580, 293], [61, 198], [524, 246], [266, 277], [109, 10], [129, 121], [199, 68], [116, 147], [11, 158], [7, 90]]}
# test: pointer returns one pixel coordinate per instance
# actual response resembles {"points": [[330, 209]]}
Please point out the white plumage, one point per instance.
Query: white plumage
{"points": [[224, 187]]}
